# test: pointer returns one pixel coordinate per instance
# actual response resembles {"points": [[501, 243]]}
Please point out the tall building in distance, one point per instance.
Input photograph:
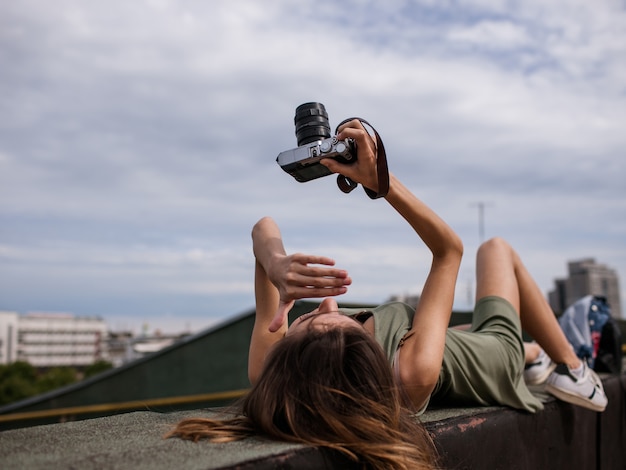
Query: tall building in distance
{"points": [[586, 277]]}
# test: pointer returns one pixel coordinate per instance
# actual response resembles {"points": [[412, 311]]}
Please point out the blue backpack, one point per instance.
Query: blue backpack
{"points": [[593, 333]]}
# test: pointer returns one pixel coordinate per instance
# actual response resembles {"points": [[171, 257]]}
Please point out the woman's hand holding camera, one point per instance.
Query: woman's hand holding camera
{"points": [[364, 170]]}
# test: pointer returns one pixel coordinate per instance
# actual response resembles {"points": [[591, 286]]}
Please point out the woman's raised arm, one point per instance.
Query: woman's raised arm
{"points": [[280, 280], [422, 352], [421, 355]]}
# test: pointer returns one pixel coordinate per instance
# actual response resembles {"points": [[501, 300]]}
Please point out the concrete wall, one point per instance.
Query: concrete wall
{"points": [[562, 436]]}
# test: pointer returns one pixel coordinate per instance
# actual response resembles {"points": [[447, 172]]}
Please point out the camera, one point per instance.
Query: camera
{"points": [[314, 143]]}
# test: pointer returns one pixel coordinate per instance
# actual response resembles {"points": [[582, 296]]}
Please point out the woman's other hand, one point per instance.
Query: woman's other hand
{"points": [[301, 276]]}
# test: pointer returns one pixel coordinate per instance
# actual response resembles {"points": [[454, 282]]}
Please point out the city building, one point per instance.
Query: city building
{"points": [[8, 337], [123, 347], [52, 339], [586, 277], [408, 299]]}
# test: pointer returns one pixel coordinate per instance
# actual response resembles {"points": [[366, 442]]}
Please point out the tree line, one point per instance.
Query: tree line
{"points": [[20, 380]]}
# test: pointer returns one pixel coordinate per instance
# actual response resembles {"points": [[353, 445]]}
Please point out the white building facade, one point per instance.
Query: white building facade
{"points": [[51, 339], [8, 337]]}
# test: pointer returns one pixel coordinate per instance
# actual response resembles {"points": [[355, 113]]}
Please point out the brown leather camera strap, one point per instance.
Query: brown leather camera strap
{"points": [[347, 185]]}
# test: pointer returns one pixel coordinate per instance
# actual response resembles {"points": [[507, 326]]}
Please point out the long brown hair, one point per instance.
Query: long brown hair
{"points": [[331, 388]]}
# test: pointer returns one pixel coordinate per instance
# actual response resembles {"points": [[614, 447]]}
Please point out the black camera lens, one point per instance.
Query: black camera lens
{"points": [[311, 122]]}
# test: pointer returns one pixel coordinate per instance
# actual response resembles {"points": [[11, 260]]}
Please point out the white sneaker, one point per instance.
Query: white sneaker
{"points": [[585, 391], [539, 370]]}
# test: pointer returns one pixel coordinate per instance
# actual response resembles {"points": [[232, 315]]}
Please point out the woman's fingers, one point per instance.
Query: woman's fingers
{"points": [[319, 292], [304, 274], [308, 276], [364, 169], [355, 130]]}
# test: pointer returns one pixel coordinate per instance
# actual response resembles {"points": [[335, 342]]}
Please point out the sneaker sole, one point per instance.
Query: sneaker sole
{"points": [[543, 377], [573, 398]]}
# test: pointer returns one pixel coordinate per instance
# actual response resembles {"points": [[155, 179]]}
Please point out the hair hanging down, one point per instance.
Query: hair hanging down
{"points": [[329, 388]]}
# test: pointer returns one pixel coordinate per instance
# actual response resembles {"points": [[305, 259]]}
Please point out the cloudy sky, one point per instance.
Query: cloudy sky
{"points": [[138, 143]]}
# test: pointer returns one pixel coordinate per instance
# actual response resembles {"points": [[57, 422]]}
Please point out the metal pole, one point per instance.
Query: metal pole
{"points": [[481, 220]]}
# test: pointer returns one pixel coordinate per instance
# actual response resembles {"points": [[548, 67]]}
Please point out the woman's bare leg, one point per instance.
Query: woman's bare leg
{"points": [[500, 272], [531, 352]]}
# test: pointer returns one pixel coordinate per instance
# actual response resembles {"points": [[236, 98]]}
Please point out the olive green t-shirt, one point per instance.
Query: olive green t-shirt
{"points": [[481, 366]]}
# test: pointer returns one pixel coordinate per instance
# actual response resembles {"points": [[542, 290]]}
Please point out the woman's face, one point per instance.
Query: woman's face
{"points": [[325, 316]]}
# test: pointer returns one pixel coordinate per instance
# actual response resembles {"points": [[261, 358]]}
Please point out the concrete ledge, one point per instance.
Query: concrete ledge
{"points": [[562, 436]]}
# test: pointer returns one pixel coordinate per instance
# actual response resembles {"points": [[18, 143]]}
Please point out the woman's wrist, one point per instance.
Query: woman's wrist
{"points": [[270, 262]]}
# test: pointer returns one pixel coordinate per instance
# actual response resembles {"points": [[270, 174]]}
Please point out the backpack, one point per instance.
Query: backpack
{"points": [[593, 333], [609, 357]]}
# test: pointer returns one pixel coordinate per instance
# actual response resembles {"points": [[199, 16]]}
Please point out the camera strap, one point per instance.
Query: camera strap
{"points": [[347, 185]]}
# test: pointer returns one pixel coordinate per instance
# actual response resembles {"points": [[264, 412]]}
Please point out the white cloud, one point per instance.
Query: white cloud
{"points": [[497, 35]]}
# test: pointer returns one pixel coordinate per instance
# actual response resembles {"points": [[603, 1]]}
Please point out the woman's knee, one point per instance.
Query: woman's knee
{"points": [[495, 271], [496, 246]]}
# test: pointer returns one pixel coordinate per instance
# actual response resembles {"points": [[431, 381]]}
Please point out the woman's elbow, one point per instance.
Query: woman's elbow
{"points": [[253, 375], [456, 246], [262, 223], [451, 255], [419, 379]]}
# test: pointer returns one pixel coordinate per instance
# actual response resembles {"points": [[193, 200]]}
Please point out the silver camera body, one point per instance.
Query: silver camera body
{"points": [[303, 163], [314, 143]]}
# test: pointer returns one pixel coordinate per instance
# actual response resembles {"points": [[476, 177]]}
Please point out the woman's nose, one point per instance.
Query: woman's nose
{"points": [[328, 305]]}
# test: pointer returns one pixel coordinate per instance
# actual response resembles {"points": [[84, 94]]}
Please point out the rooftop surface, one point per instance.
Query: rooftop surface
{"points": [[135, 441]]}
